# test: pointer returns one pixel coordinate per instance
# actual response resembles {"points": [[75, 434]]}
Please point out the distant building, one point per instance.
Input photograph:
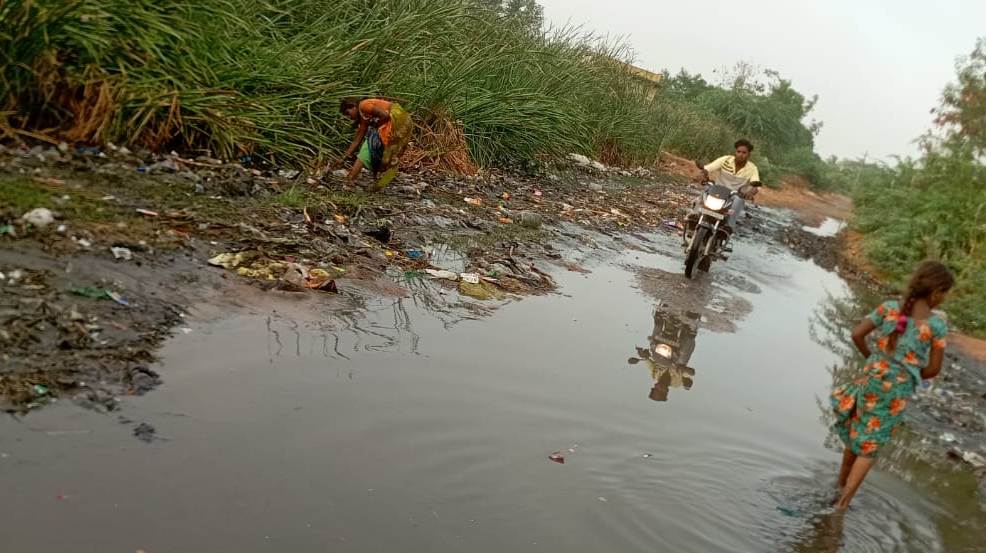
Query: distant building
{"points": [[651, 81]]}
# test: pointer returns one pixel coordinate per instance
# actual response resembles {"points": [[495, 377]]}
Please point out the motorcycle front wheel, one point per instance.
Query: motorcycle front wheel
{"points": [[694, 252]]}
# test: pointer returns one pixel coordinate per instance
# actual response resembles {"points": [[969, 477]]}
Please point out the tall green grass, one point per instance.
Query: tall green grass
{"points": [[265, 77], [931, 208]]}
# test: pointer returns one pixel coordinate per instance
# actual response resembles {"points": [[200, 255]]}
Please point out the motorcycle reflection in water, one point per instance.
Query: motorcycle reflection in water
{"points": [[671, 346]]}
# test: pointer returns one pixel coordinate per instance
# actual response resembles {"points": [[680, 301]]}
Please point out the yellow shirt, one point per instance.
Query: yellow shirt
{"points": [[723, 171]]}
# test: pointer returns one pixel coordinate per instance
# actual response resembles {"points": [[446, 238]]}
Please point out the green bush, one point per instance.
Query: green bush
{"points": [[932, 208]]}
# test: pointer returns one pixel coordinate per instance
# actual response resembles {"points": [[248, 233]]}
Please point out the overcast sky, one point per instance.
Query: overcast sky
{"points": [[878, 66]]}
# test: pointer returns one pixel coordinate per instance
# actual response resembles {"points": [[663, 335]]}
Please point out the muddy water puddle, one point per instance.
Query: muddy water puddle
{"points": [[686, 414]]}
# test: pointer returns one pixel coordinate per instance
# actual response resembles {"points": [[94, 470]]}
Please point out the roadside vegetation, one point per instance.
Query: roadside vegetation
{"points": [[935, 205], [488, 85]]}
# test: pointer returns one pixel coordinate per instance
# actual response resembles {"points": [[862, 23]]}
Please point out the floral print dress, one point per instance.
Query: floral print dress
{"points": [[869, 409]]}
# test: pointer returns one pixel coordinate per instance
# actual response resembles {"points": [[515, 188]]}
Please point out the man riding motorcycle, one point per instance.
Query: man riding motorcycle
{"points": [[735, 172]]}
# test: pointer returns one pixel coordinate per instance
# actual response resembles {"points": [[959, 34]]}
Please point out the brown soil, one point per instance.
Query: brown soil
{"points": [[812, 208]]}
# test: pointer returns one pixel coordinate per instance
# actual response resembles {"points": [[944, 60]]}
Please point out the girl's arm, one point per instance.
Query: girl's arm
{"points": [[360, 135], [859, 336], [934, 363]]}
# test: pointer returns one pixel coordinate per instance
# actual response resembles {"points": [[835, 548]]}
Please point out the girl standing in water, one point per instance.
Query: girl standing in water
{"points": [[383, 131], [910, 348]]}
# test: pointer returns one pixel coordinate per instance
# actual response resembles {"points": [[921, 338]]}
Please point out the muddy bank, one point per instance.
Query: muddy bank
{"points": [[132, 240]]}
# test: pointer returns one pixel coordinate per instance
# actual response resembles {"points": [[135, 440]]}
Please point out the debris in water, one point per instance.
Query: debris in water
{"points": [[319, 279], [602, 499], [122, 253], [479, 290], [145, 433], [790, 511], [557, 457]]}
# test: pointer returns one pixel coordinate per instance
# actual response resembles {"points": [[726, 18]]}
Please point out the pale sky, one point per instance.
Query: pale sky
{"points": [[878, 66]]}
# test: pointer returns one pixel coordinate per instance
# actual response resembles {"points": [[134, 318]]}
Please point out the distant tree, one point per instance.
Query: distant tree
{"points": [[962, 113], [526, 14], [685, 85]]}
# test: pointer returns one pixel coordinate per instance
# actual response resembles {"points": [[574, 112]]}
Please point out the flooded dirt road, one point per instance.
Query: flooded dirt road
{"points": [[687, 415]]}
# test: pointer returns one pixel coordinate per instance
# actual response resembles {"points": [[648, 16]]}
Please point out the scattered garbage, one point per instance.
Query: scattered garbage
{"points": [[7, 229], [473, 201], [470, 278], [528, 219], [40, 390], [948, 437], [118, 299], [91, 292], [442, 274], [122, 253], [319, 279], [976, 460], [147, 212], [415, 254], [383, 234], [39, 217], [557, 457], [479, 290], [232, 260], [165, 166]]}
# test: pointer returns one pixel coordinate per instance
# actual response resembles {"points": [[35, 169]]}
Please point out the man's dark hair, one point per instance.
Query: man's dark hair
{"points": [[744, 142]]}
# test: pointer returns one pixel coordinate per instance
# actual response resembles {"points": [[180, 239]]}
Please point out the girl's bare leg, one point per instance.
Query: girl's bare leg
{"points": [[847, 459], [354, 172], [860, 467]]}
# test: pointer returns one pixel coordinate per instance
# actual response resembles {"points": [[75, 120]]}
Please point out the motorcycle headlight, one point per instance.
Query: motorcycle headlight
{"points": [[714, 203], [663, 350]]}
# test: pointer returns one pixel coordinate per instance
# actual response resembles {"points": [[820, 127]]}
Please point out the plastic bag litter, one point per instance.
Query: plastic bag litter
{"points": [[442, 274], [39, 217]]}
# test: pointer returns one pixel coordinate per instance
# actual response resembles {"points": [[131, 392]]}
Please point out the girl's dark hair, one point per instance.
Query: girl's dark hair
{"points": [[928, 278], [744, 142], [349, 103]]}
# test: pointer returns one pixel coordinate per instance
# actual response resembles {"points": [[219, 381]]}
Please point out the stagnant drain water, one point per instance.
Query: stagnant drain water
{"points": [[686, 414]]}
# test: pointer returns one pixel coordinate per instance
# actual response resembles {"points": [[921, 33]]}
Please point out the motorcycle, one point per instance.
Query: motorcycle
{"points": [[706, 230]]}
